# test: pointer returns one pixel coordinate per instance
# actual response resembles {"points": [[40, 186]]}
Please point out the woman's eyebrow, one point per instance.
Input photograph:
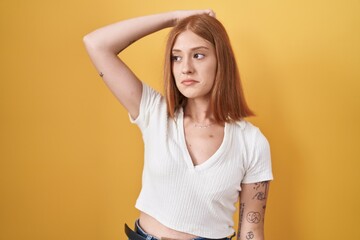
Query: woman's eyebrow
{"points": [[191, 49]]}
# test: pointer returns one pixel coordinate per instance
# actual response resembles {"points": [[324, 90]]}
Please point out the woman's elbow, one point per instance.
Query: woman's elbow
{"points": [[89, 41]]}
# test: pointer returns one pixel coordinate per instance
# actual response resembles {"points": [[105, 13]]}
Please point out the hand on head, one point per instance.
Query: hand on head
{"points": [[181, 14]]}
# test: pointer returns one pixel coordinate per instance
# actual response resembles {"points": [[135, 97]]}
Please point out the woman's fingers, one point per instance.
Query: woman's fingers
{"points": [[210, 12], [187, 13]]}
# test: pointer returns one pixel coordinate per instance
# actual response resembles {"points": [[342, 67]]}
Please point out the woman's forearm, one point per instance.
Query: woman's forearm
{"points": [[117, 36], [253, 198], [253, 234]]}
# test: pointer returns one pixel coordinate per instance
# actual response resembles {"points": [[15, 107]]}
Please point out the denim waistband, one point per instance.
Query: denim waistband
{"points": [[141, 232]]}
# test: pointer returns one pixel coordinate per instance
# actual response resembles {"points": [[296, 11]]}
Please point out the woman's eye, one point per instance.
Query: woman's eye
{"points": [[175, 58], [199, 55]]}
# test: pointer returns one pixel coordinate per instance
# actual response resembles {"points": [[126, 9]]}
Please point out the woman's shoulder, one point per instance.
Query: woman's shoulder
{"points": [[250, 131], [245, 125]]}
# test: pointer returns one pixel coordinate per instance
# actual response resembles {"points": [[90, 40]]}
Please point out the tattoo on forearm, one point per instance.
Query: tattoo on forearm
{"points": [[242, 206], [260, 190], [249, 235], [253, 217]]}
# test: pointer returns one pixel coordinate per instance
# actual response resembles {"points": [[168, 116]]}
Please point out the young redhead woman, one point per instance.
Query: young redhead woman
{"points": [[201, 156]]}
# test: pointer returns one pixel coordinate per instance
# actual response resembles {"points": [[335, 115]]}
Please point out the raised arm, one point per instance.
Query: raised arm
{"points": [[104, 44], [253, 199]]}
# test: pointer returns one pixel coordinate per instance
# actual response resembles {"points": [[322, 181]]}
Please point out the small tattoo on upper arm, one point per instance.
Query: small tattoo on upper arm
{"points": [[253, 217], [264, 208], [261, 195], [258, 185], [242, 206], [261, 184], [249, 235], [101, 74]]}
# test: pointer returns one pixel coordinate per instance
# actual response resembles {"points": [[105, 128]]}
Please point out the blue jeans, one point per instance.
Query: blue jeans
{"points": [[141, 232]]}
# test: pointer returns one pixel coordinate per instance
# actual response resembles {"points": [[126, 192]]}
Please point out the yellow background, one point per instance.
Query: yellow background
{"points": [[71, 162]]}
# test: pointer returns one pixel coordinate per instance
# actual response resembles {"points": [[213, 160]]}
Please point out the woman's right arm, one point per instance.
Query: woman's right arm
{"points": [[103, 46]]}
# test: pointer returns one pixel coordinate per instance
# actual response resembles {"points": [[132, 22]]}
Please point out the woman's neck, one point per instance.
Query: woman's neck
{"points": [[199, 111]]}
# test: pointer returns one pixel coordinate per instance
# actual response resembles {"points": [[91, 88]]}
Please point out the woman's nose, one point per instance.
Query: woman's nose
{"points": [[187, 67]]}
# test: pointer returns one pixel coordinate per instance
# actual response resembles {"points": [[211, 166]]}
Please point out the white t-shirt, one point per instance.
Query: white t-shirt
{"points": [[198, 200]]}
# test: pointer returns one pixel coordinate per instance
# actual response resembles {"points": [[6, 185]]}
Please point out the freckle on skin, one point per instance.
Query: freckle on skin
{"points": [[211, 135]]}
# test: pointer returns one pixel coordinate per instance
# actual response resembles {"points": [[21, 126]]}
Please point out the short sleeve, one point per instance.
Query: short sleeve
{"points": [[258, 167], [150, 101]]}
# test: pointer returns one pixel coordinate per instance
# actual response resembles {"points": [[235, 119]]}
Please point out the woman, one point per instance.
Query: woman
{"points": [[200, 155]]}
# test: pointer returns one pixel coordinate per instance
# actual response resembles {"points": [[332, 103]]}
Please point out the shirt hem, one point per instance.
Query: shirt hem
{"points": [[164, 221]]}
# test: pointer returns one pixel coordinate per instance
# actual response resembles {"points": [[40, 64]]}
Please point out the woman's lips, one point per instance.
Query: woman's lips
{"points": [[188, 82]]}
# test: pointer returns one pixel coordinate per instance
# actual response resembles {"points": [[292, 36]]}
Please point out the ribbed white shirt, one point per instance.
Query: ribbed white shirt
{"points": [[198, 200]]}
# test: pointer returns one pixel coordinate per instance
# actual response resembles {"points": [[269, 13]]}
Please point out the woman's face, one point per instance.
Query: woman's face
{"points": [[193, 65]]}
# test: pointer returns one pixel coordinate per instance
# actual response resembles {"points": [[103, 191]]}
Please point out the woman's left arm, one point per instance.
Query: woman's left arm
{"points": [[253, 199]]}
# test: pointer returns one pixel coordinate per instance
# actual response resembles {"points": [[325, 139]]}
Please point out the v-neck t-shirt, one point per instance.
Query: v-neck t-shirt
{"points": [[195, 199]]}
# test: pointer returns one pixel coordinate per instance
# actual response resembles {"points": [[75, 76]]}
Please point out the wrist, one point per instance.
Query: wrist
{"points": [[172, 18]]}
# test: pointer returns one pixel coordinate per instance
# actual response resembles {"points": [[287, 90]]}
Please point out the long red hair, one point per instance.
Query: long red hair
{"points": [[227, 99]]}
